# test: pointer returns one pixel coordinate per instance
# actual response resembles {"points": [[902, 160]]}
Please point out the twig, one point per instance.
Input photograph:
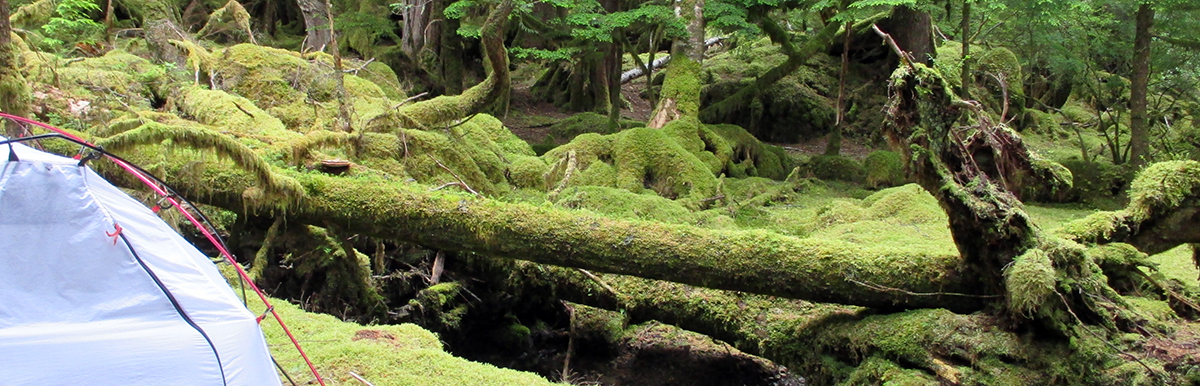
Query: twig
{"points": [[360, 68], [566, 372], [1004, 90], [410, 99], [361, 379], [461, 183], [881, 288], [719, 196], [601, 282]]}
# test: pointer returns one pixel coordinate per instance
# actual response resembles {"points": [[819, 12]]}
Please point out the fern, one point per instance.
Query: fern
{"points": [[71, 24]]}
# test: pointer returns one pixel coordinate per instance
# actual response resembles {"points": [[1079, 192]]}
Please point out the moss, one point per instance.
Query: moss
{"points": [[282, 190], [643, 159], [402, 354], [835, 167], [884, 169], [1158, 190], [219, 22], [623, 204], [526, 172], [382, 75], [1029, 281], [588, 122], [270, 76], [234, 114], [33, 15], [839, 212], [682, 84], [749, 157]]}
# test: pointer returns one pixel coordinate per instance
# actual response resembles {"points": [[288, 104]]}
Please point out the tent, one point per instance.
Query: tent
{"points": [[96, 289]]}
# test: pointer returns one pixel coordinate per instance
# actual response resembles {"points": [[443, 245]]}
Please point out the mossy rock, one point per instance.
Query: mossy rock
{"points": [[835, 167], [884, 169], [527, 171]]}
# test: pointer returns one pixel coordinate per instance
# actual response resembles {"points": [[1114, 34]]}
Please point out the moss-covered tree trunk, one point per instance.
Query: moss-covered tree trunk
{"points": [[680, 94], [1139, 137], [14, 94], [964, 171]]}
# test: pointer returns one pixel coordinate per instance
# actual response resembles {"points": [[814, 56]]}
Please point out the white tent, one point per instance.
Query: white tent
{"points": [[83, 302]]}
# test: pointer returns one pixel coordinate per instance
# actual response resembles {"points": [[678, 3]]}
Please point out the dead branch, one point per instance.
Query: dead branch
{"points": [[409, 99], [461, 183], [905, 57]]}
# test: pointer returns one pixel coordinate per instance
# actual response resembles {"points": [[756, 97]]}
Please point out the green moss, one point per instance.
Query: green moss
{"points": [[588, 122], [749, 157], [526, 172], [1029, 281], [839, 212], [835, 167], [884, 169], [644, 159], [384, 354], [623, 204], [682, 84]]}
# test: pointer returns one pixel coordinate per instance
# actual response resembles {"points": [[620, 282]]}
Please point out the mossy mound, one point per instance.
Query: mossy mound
{"points": [[588, 122], [384, 355], [750, 157], [884, 169], [835, 167], [620, 203], [642, 159]]}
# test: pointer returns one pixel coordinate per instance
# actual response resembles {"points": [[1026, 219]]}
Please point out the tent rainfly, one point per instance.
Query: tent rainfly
{"points": [[96, 289]]}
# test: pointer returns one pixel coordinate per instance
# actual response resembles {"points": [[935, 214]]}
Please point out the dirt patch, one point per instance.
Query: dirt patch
{"points": [[851, 148], [378, 336], [1180, 350]]}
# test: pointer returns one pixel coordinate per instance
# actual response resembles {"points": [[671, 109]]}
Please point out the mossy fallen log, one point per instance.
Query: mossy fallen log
{"points": [[821, 270], [1163, 212]]}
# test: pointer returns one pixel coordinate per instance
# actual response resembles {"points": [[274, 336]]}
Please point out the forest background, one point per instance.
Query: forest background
{"points": [[820, 191]]}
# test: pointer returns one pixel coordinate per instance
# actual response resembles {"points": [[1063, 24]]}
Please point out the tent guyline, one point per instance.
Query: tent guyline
{"points": [[173, 200]]}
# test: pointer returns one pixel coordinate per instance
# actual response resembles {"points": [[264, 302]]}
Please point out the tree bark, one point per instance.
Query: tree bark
{"points": [[965, 31], [416, 14], [913, 32], [316, 24], [1139, 138]]}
